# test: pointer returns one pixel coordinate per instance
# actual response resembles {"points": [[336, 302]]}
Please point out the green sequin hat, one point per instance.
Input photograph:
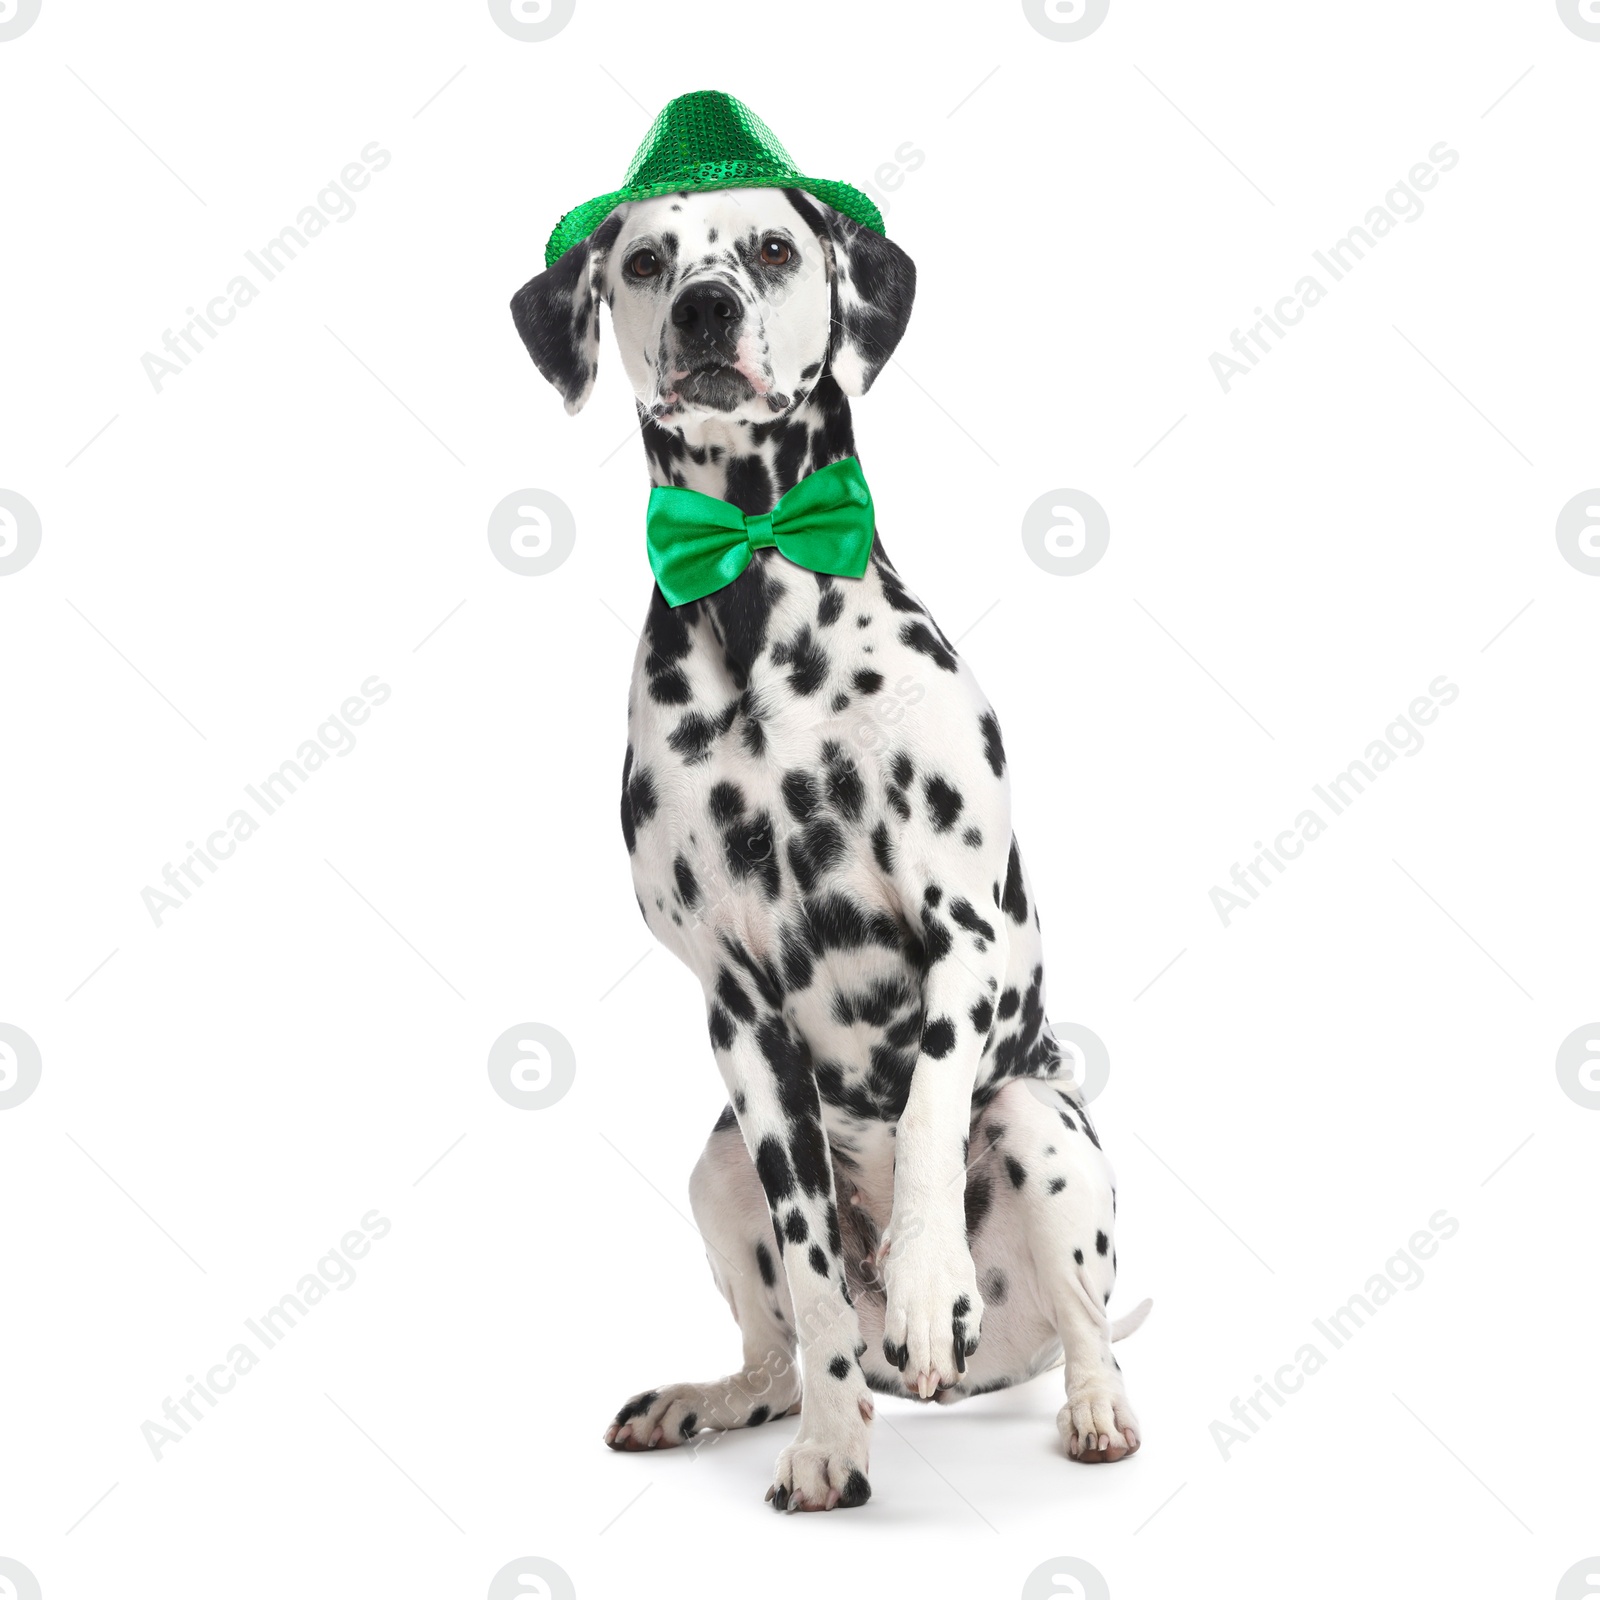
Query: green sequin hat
{"points": [[707, 140]]}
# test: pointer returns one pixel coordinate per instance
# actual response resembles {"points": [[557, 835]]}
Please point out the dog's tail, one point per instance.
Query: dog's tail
{"points": [[1131, 1321]]}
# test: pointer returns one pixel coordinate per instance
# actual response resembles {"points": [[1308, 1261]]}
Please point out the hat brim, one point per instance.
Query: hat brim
{"points": [[582, 220]]}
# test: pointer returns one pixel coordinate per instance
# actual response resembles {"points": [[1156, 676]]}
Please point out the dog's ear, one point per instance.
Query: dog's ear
{"points": [[874, 283], [558, 315]]}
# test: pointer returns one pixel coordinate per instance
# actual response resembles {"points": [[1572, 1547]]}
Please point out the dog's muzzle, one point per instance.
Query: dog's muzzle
{"points": [[714, 359]]}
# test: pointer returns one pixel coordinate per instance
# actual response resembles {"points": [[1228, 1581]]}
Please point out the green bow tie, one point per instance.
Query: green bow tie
{"points": [[698, 544]]}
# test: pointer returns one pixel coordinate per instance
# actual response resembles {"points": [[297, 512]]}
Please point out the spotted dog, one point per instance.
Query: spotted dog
{"points": [[906, 1193]]}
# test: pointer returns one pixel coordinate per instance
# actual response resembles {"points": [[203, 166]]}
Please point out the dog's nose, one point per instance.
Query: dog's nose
{"points": [[706, 311]]}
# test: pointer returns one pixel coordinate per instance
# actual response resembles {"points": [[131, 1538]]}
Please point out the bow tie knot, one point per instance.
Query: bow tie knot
{"points": [[698, 544]]}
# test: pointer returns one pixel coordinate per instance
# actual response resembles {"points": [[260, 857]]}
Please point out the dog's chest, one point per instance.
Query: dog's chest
{"points": [[761, 808]]}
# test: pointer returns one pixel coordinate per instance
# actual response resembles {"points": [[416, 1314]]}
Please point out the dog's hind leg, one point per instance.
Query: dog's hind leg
{"points": [[731, 1210], [1050, 1161]]}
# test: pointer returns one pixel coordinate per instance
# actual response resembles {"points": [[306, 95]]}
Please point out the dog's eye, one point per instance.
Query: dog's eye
{"points": [[644, 264], [774, 252]]}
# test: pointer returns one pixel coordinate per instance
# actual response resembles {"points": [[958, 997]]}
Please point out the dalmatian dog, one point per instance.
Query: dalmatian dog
{"points": [[906, 1193]]}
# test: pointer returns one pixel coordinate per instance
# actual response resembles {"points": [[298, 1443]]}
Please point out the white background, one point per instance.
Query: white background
{"points": [[306, 504]]}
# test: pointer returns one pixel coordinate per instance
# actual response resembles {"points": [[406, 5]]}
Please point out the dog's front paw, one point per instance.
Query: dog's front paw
{"points": [[933, 1310], [1097, 1423], [812, 1475], [826, 1466]]}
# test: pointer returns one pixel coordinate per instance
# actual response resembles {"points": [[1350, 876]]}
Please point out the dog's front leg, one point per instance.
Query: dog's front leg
{"points": [[934, 1310], [770, 1079]]}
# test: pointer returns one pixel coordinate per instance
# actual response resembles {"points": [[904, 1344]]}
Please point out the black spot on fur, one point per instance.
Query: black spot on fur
{"points": [[882, 853], [839, 1367], [814, 851], [992, 748], [732, 995], [693, 737], [944, 803], [918, 637], [748, 847], [806, 659], [819, 1261], [769, 1274], [938, 1038], [637, 1408], [935, 940], [748, 486], [670, 688], [743, 609], [772, 1166], [727, 802], [845, 788], [1101, 1244], [1009, 1001], [799, 795], [830, 607], [963, 915], [980, 1195], [982, 1018], [894, 591], [857, 1491], [836, 922], [1057, 1185], [688, 888], [1016, 1173], [867, 681], [1015, 900]]}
